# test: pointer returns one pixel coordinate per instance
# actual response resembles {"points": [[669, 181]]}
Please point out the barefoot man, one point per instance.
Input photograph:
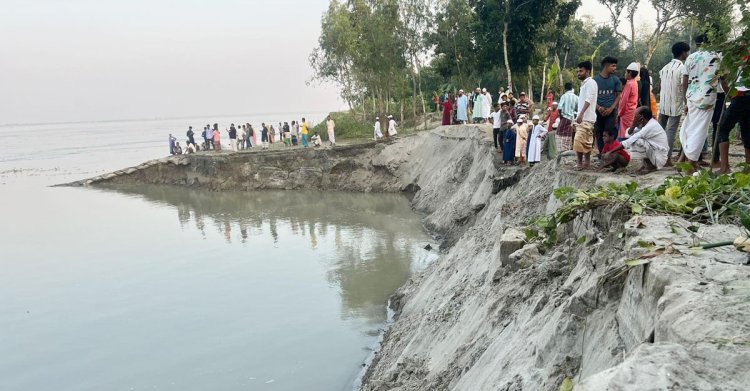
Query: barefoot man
{"points": [[584, 123]]}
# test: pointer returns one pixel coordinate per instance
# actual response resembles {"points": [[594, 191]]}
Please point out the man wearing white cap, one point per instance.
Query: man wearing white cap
{"points": [[377, 134], [477, 115], [391, 126], [522, 134], [486, 104], [538, 133], [462, 103], [628, 100]]}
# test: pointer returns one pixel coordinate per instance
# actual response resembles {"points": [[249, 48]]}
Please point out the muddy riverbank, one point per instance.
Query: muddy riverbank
{"points": [[496, 313]]}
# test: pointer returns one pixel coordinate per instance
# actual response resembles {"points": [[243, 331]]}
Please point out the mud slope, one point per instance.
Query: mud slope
{"points": [[491, 315]]}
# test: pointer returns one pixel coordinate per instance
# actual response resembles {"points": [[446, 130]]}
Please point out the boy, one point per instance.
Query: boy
{"points": [[612, 156]]}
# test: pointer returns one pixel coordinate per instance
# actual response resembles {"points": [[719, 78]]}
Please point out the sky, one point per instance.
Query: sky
{"points": [[87, 60]]}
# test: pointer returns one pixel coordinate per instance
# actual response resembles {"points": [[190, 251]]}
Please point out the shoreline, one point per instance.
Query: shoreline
{"points": [[490, 297]]}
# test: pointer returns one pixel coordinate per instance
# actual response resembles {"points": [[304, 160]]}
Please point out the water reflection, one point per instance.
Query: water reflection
{"points": [[370, 243]]}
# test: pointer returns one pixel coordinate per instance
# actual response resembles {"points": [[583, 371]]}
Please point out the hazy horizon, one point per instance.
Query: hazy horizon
{"points": [[89, 61]]}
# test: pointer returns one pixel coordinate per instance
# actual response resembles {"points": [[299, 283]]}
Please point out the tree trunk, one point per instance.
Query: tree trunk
{"points": [[559, 74], [505, 46], [544, 80], [402, 112], [414, 96], [531, 89]]}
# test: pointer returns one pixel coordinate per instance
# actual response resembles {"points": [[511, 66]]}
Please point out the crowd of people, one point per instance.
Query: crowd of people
{"points": [[611, 116], [614, 116], [243, 137]]}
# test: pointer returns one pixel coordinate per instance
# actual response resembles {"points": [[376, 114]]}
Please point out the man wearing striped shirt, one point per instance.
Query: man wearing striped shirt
{"points": [[567, 107], [674, 81]]}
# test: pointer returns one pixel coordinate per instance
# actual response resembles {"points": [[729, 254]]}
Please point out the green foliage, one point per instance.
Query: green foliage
{"points": [[703, 198], [348, 126]]}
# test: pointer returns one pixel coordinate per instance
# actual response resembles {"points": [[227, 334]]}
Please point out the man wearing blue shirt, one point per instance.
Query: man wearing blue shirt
{"points": [[610, 89]]}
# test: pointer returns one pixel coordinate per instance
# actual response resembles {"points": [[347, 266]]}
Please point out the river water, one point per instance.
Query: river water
{"points": [[146, 287]]}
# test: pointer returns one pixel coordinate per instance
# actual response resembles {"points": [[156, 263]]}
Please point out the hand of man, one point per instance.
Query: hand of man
{"points": [[579, 119]]}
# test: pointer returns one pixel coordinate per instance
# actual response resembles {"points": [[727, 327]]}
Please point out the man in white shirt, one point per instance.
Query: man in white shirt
{"points": [[674, 81], [647, 138], [377, 134], [331, 131], [497, 124], [584, 122]]}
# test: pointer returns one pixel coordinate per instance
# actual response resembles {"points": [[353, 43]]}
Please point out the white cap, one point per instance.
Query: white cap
{"points": [[536, 117], [510, 122], [520, 120], [460, 90], [634, 66], [523, 93], [554, 103], [390, 116], [377, 118], [484, 90]]}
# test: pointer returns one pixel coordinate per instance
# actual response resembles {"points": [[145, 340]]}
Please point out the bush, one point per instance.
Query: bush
{"points": [[348, 126]]}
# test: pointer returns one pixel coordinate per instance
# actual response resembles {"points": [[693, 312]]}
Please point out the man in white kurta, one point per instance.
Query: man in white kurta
{"points": [[649, 139], [331, 131], [535, 141], [703, 80], [391, 126], [377, 134], [486, 104]]}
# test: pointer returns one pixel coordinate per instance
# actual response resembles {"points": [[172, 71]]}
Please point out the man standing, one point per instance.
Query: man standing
{"points": [[629, 100], [477, 115], [497, 124], [462, 102], [190, 136], [587, 116], [674, 81], [737, 112], [524, 106], [486, 104], [233, 138], [568, 105], [210, 136], [172, 141], [703, 80], [331, 131], [305, 131], [538, 133], [609, 90], [549, 148], [647, 138]]}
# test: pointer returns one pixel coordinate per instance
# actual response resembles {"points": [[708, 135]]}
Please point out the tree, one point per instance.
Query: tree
{"points": [[668, 12]]}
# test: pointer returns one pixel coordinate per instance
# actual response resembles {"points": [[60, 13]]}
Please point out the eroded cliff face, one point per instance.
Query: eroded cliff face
{"points": [[496, 313]]}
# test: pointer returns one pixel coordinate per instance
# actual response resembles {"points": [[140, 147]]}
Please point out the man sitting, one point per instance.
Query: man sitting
{"points": [[648, 138], [315, 140]]}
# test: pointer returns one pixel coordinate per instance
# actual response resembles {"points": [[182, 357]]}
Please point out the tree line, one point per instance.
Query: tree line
{"points": [[394, 56]]}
